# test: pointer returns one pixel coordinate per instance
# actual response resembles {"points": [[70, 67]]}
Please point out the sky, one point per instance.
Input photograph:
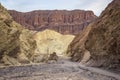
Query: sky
{"points": [[97, 6]]}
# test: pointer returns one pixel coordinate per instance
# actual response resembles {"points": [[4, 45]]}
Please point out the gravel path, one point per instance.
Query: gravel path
{"points": [[63, 69]]}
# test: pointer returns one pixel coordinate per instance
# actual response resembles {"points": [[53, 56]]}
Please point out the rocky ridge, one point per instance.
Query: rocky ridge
{"points": [[99, 43], [62, 21], [9, 32]]}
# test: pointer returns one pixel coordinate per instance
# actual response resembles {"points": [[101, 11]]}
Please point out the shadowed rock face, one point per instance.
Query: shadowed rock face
{"points": [[100, 39], [9, 35], [62, 21], [16, 43]]}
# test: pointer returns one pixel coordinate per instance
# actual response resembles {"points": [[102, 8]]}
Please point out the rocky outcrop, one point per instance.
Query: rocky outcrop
{"points": [[76, 49], [9, 36], [16, 43], [99, 43], [27, 46], [48, 42], [62, 21]]}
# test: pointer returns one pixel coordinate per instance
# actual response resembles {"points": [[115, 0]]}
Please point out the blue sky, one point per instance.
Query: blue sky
{"points": [[28, 5]]}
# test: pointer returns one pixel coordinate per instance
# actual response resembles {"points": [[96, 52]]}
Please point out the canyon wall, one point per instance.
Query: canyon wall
{"points": [[62, 21], [99, 43], [9, 36], [22, 46]]}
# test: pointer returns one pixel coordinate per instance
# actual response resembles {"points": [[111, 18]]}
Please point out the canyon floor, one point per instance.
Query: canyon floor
{"points": [[63, 69]]}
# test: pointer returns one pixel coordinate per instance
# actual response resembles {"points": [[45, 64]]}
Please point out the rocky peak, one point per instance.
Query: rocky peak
{"points": [[62, 21], [3, 13], [114, 5]]}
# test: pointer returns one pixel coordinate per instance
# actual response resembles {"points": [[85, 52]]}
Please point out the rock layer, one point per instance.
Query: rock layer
{"points": [[101, 40], [62, 21]]}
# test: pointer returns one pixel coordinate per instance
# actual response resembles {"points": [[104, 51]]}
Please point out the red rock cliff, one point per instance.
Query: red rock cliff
{"points": [[63, 21]]}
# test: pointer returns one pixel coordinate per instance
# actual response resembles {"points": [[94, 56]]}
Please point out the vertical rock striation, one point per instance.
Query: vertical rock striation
{"points": [[62, 21]]}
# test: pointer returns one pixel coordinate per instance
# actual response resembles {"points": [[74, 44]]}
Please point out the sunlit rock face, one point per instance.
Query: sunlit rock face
{"points": [[100, 40], [62, 21], [37, 47], [49, 41]]}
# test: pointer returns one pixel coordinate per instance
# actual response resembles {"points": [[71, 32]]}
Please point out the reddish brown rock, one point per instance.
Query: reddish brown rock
{"points": [[63, 21]]}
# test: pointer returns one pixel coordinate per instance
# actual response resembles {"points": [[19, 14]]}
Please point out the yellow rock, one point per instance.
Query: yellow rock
{"points": [[49, 41]]}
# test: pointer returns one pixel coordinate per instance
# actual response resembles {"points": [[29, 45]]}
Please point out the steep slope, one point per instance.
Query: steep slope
{"points": [[16, 44], [76, 49], [99, 44], [27, 46], [9, 35], [62, 21]]}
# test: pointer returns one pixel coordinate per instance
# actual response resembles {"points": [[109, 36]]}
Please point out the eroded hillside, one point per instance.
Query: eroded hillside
{"points": [[49, 41], [99, 43]]}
